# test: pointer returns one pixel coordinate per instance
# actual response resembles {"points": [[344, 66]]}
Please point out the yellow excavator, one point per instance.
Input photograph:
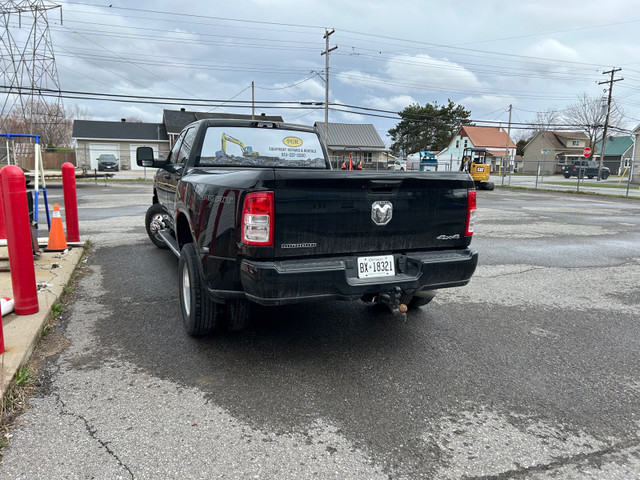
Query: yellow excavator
{"points": [[474, 162], [246, 151]]}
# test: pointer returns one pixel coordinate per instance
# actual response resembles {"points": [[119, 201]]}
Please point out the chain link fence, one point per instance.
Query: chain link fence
{"points": [[549, 172]]}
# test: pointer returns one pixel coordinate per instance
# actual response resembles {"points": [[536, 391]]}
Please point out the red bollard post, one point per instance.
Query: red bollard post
{"points": [[3, 232], [16, 215], [70, 201]]}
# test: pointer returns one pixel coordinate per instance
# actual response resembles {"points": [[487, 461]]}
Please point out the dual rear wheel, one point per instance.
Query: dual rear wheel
{"points": [[201, 315]]}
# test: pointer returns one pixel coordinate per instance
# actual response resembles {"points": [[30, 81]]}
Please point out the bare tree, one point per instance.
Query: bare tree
{"points": [[588, 115], [50, 120], [546, 120]]}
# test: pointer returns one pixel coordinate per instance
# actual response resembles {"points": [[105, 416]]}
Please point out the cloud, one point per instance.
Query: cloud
{"points": [[406, 73], [392, 104], [312, 89], [487, 102], [549, 48]]}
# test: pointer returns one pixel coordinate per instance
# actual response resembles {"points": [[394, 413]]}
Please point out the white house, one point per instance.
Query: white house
{"points": [[494, 139]]}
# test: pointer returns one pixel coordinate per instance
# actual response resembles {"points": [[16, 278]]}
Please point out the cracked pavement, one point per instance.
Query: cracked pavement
{"points": [[531, 371]]}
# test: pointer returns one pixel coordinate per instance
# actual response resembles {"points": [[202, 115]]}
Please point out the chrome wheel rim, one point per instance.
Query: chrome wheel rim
{"points": [[157, 222], [186, 290]]}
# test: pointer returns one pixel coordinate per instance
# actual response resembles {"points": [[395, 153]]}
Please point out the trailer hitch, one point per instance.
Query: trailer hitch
{"points": [[392, 300]]}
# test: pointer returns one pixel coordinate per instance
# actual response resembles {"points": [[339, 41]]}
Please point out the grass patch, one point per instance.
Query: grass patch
{"points": [[23, 376], [14, 402], [58, 309], [589, 185]]}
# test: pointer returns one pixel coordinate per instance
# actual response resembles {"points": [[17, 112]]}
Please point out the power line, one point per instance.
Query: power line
{"points": [[192, 15]]}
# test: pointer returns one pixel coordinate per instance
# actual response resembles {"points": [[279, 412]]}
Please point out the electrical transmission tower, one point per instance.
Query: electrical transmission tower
{"points": [[29, 75]]}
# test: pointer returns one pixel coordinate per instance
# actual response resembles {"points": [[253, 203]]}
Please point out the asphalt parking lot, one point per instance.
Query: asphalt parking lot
{"points": [[530, 371]]}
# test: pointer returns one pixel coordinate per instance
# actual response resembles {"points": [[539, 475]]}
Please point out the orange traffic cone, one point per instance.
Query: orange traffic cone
{"points": [[57, 242]]}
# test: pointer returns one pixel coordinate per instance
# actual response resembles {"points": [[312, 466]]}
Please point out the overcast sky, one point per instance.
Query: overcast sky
{"points": [[484, 55]]}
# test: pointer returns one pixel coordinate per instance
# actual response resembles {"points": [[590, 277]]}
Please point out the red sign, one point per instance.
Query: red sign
{"points": [[586, 152]]}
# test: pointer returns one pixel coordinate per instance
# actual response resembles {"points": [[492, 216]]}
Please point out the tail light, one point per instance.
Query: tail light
{"points": [[257, 219], [471, 212]]}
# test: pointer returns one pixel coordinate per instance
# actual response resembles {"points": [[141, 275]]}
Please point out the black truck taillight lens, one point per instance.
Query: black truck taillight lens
{"points": [[257, 219], [471, 212]]}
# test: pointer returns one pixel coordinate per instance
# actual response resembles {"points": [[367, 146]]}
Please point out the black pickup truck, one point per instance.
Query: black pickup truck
{"points": [[582, 168], [256, 215]]}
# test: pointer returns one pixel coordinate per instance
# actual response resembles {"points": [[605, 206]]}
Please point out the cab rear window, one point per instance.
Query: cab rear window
{"points": [[261, 147]]}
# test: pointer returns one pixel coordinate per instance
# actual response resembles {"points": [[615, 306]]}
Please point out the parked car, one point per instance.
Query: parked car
{"points": [[108, 161], [397, 165], [400, 166], [585, 167]]}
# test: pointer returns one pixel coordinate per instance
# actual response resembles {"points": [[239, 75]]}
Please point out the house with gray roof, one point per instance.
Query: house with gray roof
{"points": [[359, 140], [550, 150], [121, 139]]}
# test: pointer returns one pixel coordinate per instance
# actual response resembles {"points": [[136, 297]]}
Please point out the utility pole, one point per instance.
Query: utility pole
{"points": [[327, 34], [606, 121], [506, 150], [28, 65]]}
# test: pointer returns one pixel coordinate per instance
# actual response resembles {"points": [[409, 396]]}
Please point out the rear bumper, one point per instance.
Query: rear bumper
{"points": [[297, 281]]}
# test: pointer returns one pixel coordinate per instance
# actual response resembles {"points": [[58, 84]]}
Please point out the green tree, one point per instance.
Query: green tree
{"points": [[520, 147], [428, 127]]}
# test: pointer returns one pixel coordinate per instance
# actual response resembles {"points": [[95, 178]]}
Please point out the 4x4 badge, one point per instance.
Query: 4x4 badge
{"points": [[381, 212]]}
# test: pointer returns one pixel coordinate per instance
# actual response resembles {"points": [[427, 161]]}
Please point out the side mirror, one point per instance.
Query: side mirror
{"points": [[144, 156]]}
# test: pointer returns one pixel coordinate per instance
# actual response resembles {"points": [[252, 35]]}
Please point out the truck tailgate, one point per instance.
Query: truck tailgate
{"points": [[332, 212]]}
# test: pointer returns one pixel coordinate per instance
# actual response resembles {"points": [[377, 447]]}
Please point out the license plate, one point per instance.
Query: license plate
{"points": [[380, 266]]}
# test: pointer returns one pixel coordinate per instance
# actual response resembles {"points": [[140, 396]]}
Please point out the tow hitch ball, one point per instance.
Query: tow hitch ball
{"points": [[392, 300]]}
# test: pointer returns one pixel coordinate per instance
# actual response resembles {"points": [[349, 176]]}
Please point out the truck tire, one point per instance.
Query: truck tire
{"points": [[605, 175], [414, 302], [238, 314], [200, 314], [417, 302], [566, 175], [153, 220]]}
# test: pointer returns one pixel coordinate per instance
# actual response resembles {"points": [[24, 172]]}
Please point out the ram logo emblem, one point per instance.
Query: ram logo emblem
{"points": [[381, 212]]}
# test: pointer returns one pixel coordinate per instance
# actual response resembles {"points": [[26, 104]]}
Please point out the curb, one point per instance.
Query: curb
{"points": [[22, 332]]}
